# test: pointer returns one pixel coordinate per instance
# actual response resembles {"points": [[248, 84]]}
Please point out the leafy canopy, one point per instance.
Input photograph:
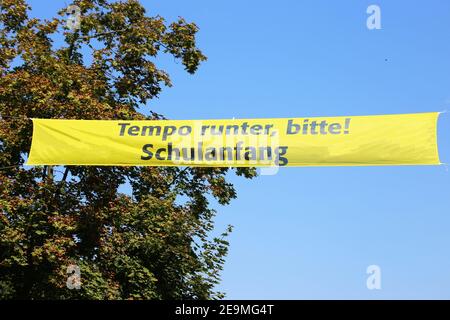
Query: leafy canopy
{"points": [[143, 245]]}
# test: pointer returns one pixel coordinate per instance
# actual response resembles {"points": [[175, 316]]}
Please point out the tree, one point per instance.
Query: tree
{"points": [[144, 245]]}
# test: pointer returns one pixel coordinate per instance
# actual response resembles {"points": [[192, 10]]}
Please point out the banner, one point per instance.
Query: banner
{"points": [[406, 139]]}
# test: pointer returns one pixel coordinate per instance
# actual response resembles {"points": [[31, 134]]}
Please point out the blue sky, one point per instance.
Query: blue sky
{"points": [[310, 233]]}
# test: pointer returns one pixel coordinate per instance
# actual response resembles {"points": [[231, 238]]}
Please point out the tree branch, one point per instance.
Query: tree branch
{"points": [[66, 172], [177, 176]]}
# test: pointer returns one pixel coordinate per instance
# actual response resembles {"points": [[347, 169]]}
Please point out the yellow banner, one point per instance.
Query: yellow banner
{"points": [[406, 139]]}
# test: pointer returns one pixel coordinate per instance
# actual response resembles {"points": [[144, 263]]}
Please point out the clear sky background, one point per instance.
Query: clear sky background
{"points": [[308, 233]]}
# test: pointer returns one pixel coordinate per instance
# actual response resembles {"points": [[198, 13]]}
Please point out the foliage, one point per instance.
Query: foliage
{"points": [[143, 245]]}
